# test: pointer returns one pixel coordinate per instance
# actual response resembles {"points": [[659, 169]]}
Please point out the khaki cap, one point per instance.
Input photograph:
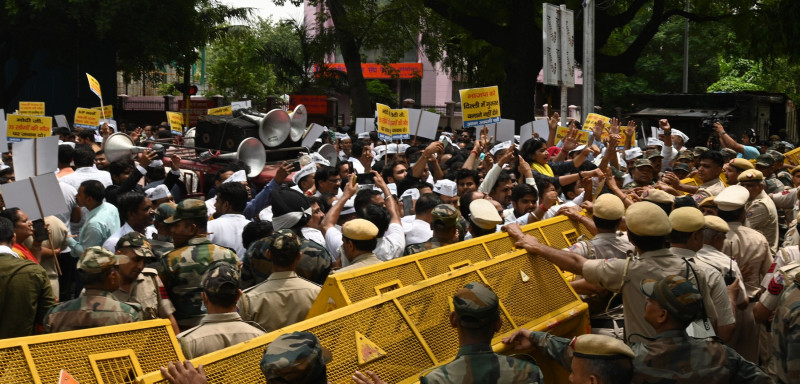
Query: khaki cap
{"points": [[647, 219], [658, 196], [795, 169], [732, 198], [741, 164], [608, 207], [751, 175], [708, 202], [483, 214], [687, 219], [717, 224], [359, 229], [592, 346]]}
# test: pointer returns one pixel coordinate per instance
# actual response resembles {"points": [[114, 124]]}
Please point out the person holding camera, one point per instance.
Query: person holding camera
{"points": [[726, 141]]}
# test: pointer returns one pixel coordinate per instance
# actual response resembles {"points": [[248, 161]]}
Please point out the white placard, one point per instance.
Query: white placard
{"points": [[567, 42], [428, 125], [365, 125], [25, 194], [3, 136], [61, 121], [413, 120], [550, 34], [240, 105], [505, 130], [35, 157], [313, 134], [542, 127]]}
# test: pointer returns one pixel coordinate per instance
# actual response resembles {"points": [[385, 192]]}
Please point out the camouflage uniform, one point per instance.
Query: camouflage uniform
{"points": [[315, 262], [96, 307], [147, 290], [186, 266], [444, 217], [218, 330], [161, 245], [477, 307], [786, 334], [293, 356], [256, 267], [674, 357]]}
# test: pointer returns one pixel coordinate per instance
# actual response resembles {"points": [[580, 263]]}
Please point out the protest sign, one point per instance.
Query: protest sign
{"points": [[108, 111], [399, 124], [593, 118], [3, 138], [94, 85], [236, 105], [87, 118], [384, 122], [365, 125], [480, 106], [31, 108], [221, 111], [61, 121], [175, 120], [28, 127], [423, 123], [561, 132], [35, 157], [313, 134], [38, 196]]}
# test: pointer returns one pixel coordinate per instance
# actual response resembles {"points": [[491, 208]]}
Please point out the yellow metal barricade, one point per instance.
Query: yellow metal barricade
{"points": [[410, 324], [792, 157], [111, 355], [346, 288]]}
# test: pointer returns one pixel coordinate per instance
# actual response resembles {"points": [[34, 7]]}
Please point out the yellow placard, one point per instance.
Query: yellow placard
{"points": [[227, 111], [33, 108], [399, 123], [88, 118], [593, 118], [480, 106], [175, 123], [583, 136], [94, 85], [22, 127], [384, 121], [108, 111]]}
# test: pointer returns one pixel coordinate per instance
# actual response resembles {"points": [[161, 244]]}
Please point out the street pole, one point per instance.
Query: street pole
{"points": [[588, 58], [686, 53]]}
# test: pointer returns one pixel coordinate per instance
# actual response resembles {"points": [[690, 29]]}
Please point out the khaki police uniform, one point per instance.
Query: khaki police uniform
{"points": [[282, 300], [148, 291], [215, 332], [763, 217]]}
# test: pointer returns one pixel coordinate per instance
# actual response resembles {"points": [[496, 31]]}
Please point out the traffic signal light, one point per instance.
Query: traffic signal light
{"points": [[185, 89]]}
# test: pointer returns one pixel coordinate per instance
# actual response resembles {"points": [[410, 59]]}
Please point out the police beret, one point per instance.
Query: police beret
{"points": [[687, 219], [707, 202], [717, 224], [751, 175], [658, 196], [608, 207], [484, 214], [359, 229], [647, 219], [592, 346], [732, 198], [741, 164]]}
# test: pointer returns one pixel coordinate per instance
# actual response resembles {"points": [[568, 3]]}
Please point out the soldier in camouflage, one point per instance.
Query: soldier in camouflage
{"points": [[295, 357], [97, 306], [256, 265], [785, 361], [778, 169], [642, 174], [193, 256], [764, 164], [142, 285], [672, 356], [477, 319], [161, 243], [445, 229]]}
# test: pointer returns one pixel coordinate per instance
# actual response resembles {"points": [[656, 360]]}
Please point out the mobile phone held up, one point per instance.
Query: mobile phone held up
{"points": [[39, 230], [365, 178]]}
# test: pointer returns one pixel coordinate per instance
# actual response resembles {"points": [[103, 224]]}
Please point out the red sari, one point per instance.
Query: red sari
{"points": [[23, 252]]}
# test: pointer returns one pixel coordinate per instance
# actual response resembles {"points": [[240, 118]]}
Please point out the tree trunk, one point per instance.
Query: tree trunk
{"points": [[351, 52]]}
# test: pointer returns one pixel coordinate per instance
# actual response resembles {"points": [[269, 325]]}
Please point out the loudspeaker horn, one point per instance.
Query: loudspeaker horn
{"points": [[250, 152], [273, 128], [329, 153], [299, 118], [120, 146]]}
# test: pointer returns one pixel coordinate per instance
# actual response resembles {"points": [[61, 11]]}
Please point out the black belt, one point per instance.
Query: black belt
{"points": [[605, 323]]}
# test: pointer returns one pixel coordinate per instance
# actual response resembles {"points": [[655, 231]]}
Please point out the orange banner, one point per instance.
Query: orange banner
{"points": [[376, 71], [315, 104]]}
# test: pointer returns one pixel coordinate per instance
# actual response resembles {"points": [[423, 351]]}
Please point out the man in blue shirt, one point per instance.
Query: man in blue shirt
{"points": [[101, 222], [745, 151]]}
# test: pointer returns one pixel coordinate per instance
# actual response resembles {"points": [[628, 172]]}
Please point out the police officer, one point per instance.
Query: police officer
{"points": [[761, 213], [444, 223], [193, 256], [142, 285], [476, 316], [96, 307], [786, 333], [284, 298], [222, 326], [359, 238], [734, 168], [672, 356], [592, 359]]}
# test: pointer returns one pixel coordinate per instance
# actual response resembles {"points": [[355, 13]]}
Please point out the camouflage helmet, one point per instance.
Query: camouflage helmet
{"points": [[221, 278], [257, 266], [295, 357], [285, 247], [643, 163], [676, 295], [165, 211], [476, 306], [188, 209], [137, 242], [96, 260], [445, 215]]}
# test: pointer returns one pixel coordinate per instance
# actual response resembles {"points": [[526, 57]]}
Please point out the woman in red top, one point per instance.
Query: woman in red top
{"points": [[23, 228]]}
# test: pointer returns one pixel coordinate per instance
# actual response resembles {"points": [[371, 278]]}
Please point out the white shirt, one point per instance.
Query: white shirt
{"points": [[111, 243], [357, 166], [86, 173], [390, 246], [226, 231], [418, 232], [6, 249], [314, 235], [210, 208]]}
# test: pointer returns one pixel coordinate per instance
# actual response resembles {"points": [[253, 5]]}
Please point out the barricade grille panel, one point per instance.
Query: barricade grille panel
{"points": [[439, 264], [13, 366], [118, 370], [363, 287]]}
